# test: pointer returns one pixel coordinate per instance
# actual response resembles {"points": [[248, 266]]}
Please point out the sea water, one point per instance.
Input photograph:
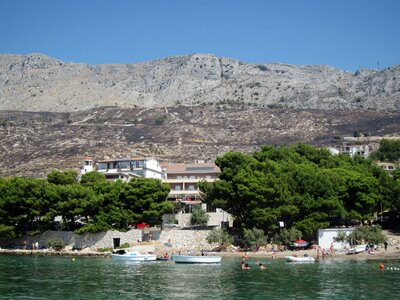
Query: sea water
{"points": [[47, 277]]}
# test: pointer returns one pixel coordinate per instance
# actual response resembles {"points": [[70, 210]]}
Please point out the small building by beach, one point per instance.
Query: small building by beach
{"points": [[326, 238]]}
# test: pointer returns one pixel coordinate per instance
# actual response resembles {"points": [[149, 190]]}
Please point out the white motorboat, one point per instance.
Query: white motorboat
{"points": [[133, 256], [301, 259], [194, 259], [357, 249]]}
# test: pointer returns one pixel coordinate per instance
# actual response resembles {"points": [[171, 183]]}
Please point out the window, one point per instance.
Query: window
{"points": [[102, 166], [191, 187], [123, 165], [211, 208], [188, 208]]}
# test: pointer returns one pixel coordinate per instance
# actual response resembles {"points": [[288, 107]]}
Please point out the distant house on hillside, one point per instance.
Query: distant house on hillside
{"points": [[389, 167], [128, 168], [363, 150], [353, 150]]}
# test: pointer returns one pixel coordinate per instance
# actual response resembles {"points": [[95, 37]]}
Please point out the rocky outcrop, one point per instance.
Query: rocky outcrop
{"points": [[36, 82]]}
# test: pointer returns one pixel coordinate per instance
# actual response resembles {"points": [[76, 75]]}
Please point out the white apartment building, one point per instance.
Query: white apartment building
{"points": [[183, 179], [127, 168]]}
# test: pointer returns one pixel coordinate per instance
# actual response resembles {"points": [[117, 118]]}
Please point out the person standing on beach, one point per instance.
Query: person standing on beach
{"points": [[386, 245], [331, 249], [323, 254]]}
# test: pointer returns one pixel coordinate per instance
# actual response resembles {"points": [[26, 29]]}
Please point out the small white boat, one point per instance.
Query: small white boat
{"points": [[301, 259], [357, 249], [194, 259], [133, 256]]}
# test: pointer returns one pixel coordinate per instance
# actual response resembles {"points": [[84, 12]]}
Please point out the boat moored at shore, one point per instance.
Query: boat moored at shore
{"points": [[301, 259], [133, 256], [357, 249], [194, 259]]}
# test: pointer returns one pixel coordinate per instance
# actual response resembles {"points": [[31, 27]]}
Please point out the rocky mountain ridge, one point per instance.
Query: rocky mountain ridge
{"points": [[36, 82]]}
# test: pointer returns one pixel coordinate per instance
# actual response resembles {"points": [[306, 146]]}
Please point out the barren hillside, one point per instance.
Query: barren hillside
{"points": [[33, 143]]}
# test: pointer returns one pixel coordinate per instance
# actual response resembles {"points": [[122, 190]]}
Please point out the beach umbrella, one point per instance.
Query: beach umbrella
{"points": [[301, 241]]}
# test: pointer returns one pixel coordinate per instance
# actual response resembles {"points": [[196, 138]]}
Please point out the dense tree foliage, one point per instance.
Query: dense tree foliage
{"points": [[388, 151], [59, 177], [92, 205], [302, 186]]}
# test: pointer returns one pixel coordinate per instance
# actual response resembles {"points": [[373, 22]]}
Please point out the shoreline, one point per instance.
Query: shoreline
{"points": [[47, 252], [394, 255], [390, 255]]}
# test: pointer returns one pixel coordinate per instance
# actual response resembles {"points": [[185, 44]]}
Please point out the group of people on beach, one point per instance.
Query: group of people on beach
{"points": [[35, 246]]}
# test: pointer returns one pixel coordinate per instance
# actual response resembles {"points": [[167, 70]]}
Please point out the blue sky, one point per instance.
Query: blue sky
{"points": [[346, 34]]}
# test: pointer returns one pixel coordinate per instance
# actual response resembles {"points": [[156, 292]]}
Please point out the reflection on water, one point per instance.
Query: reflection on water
{"points": [[34, 277]]}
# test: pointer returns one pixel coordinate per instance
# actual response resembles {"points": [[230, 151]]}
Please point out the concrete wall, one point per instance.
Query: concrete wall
{"points": [[326, 236], [88, 240], [170, 240], [180, 239], [215, 218], [152, 169]]}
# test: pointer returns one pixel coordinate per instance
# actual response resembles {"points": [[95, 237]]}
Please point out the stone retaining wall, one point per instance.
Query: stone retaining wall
{"points": [[71, 239], [167, 239], [186, 239]]}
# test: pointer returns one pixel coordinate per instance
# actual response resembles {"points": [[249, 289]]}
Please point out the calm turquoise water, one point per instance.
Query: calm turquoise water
{"points": [[35, 277]]}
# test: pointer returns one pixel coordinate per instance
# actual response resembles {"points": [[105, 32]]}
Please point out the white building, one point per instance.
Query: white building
{"points": [[128, 168], [183, 180], [389, 167], [326, 238], [353, 150], [87, 165]]}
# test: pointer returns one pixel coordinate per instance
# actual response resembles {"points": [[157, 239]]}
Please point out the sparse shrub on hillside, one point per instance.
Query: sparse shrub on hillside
{"points": [[161, 119]]}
